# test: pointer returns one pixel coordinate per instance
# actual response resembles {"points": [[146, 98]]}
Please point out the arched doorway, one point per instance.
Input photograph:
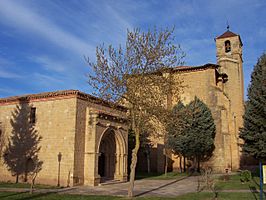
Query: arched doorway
{"points": [[111, 162]]}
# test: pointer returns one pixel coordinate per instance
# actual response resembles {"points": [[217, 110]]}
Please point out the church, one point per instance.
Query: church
{"points": [[85, 139]]}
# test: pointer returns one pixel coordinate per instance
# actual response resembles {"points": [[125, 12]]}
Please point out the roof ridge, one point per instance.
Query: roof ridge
{"points": [[61, 93]]}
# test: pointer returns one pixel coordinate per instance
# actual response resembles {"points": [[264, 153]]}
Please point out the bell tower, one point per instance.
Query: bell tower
{"points": [[229, 58]]}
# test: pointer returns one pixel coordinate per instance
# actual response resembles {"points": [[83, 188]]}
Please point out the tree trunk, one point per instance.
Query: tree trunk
{"points": [[166, 163], [134, 163], [33, 182], [148, 163], [184, 163], [16, 178], [25, 177], [180, 164], [198, 162]]}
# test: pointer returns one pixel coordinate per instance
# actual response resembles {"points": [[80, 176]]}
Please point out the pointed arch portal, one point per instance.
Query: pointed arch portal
{"points": [[111, 157]]}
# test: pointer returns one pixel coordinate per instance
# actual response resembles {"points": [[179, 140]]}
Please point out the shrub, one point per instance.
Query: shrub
{"points": [[245, 176]]}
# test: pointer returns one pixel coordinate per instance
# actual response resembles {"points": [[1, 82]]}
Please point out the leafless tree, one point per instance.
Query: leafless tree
{"points": [[140, 77]]}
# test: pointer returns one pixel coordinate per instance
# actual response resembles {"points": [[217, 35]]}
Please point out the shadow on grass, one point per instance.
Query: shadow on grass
{"points": [[13, 194], [36, 194], [160, 187], [253, 191]]}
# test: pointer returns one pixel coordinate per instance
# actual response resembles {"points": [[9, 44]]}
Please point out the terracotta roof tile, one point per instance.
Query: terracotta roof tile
{"points": [[60, 94], [227, 34], [195, 68]]}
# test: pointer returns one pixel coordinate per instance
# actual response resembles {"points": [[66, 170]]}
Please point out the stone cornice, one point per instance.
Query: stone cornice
{"points": [[63, 94], [107, 116]]}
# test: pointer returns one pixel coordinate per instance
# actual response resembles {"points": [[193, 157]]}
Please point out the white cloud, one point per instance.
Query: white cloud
{"points": [[46, 80], [49, 63], [7, 73], [18, 16]]}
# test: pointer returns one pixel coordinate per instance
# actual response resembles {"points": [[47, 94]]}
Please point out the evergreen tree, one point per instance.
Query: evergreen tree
{"points": [[176, 134], [201, 132], [193, 133], [21, 153], [254, 130]]}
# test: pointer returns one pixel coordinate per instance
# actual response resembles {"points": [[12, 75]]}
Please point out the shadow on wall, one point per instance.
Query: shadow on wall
{"points": [[21, 152]]}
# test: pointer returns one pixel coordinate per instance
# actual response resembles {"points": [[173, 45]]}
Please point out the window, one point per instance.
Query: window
{"points": [[33, 115], [227, 45]]}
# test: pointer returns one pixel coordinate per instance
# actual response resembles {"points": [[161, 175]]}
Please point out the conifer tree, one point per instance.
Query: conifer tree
{"points": [[254, 130], [201, 131], [193, 133], [176, 134], [21, 153]]}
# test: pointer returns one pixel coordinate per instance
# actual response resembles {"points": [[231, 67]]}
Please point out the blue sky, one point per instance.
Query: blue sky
{"points": [[43, 43]]}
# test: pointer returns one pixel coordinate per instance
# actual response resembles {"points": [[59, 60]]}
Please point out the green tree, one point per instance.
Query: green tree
{"points": [[176, 132], [138, 76], [21, 152], [193, 133], [254, 130]]}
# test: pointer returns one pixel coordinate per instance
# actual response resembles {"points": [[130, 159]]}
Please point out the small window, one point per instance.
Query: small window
{"points": [[227, 45], [33, 115]]}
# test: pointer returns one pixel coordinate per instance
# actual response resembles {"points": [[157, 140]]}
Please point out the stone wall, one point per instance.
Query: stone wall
{"points": [[55, 123]]}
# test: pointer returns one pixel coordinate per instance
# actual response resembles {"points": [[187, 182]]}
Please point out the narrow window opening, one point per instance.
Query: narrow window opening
{"points": [[227, 45], [33, 115]]}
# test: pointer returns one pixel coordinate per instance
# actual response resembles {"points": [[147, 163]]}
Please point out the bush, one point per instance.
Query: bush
{"points": [[245, 176]]}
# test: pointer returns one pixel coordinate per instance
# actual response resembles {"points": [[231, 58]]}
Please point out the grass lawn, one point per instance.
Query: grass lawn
{"points": [[192, 196], [50, 196], [234, 183], [24, 185], [156, 176]]}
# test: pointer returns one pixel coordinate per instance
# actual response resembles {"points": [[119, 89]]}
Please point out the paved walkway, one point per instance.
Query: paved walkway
{"points": [[142, 187]]}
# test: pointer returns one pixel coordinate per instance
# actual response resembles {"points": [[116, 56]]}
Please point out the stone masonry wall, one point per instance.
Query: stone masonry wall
{"points": [[55, 122]]}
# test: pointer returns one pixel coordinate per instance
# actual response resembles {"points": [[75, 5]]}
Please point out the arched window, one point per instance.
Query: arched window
{"points": [[227, 46]]}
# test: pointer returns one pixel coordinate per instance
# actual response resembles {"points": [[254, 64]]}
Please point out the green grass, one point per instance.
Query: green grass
{"points": [[234, 183], [51, 196], [24, 185], [191, 196], [156, 176]]}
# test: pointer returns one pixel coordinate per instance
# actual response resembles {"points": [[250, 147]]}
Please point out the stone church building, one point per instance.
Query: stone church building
{"points": [[85, 139]]}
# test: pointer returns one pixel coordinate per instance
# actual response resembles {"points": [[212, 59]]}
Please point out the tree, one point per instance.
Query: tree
{"points": [[254, 130], [193, 134], [176, 135], [21, 152], [138, 76]]}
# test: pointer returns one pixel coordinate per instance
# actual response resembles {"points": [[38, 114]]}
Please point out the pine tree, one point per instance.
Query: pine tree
{"points": [[254, 130], [176, 134], [21, 153], [201, 132], [193, 132]]}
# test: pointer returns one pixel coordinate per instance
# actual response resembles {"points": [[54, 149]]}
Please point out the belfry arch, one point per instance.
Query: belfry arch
{"points": [[112, 156]]}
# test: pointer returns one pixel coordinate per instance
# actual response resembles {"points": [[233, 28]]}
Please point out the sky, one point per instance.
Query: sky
{"points": [[43, 44]]}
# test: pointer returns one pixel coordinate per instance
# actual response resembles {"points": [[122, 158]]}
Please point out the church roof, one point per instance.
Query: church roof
{"points": [[227, 34], [60, 95], [196, 68]]}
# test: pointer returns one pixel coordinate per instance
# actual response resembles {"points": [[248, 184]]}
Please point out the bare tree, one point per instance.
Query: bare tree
{"points": [[36, 168], [139, 75]]}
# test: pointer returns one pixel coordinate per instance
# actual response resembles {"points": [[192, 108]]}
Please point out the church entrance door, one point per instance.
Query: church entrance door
{"points": [[107, 156]]}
